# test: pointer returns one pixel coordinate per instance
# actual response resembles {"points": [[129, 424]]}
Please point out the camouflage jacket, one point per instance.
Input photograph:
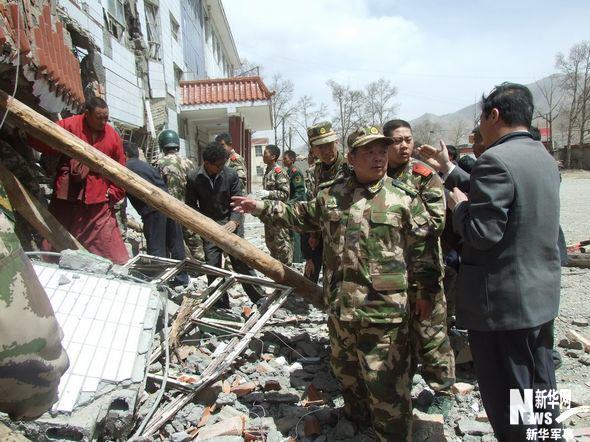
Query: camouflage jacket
{"points": [[237, 163], [429, 186], [276, 181], [373, 243], [32, 358], [174, 171], [323, 174], [310, 181], [297, 184]]}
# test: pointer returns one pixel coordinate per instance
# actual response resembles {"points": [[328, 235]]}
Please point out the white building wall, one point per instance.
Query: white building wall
{"points": [[88, 17], [171, 49], [124, 93]]}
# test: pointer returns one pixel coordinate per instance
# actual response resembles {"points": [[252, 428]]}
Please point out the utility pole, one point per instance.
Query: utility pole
{"points": [[283, 140]]}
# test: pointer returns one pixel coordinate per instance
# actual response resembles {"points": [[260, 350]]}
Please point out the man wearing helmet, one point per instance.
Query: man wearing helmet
{"points": [[174, 171]]}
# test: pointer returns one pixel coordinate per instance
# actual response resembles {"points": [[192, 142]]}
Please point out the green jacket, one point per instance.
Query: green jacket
{"points": [[297, 185], [373, 243]]}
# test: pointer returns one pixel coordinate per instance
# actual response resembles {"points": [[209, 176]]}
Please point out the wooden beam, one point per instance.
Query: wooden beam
{"points": [[36, 214], [63, 141]]}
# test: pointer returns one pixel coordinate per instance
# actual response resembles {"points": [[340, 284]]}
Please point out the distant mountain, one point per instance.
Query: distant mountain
{"points": [[466, 116]]}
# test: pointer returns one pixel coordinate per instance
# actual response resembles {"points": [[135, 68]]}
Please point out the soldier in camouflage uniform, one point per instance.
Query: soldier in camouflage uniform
{"points": [[330, 166], [275, 184], [429, 319], [297, 193], [373, 232], [234, 159], [32, 359], [174, 170]]}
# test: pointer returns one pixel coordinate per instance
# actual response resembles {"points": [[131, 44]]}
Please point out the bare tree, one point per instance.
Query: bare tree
{"points": [[349, 106], [576, 82], [307, 114], [549, 110], [379, 106], [281, 106], [458, 132], [427, 132], [247, 69]]}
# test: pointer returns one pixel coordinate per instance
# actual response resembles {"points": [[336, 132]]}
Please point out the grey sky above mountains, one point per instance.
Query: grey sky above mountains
{"points": [[442, 55]]}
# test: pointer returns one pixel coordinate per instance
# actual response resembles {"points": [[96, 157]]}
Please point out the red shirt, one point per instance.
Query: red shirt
{"points": [[97, 188]]}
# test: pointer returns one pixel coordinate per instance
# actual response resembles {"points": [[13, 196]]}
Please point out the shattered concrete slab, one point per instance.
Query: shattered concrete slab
{"points": [[108, 325]]}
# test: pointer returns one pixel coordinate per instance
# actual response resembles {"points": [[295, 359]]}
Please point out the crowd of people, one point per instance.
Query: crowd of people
{"points": [[407, 237]]}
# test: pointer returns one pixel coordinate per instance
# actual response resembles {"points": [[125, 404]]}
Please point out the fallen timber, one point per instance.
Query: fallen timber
{"points": [[66, 143]]}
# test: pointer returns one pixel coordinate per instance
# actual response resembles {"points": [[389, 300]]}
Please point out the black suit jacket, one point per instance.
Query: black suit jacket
{"points": [[510, 269]]}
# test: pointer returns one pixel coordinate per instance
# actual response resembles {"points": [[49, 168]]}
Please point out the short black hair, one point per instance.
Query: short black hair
{"points": [[274, 150], [225, 137], [95, 102], [392, 125], [453, 152], [290, 154], [466, 163], [513, 101], [131, 149], [213, 152], [535, 132]]}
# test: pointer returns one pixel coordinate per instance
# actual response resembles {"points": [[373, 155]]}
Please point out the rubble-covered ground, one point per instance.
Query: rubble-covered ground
{"points": [[282, 386]]}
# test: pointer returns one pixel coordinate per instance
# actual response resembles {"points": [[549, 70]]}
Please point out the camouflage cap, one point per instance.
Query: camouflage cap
{"points": [[321, 133], [365, 135]]}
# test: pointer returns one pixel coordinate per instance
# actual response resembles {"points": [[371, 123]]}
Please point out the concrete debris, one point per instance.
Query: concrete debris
{"points": [[574, 336], [462, 388], [580, 322], [84, 261]]}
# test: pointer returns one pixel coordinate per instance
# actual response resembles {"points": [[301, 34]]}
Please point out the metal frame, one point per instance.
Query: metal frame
{"points": [[223, 362]]}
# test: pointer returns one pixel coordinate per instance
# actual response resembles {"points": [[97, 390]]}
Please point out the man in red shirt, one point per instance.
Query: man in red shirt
{"points": [[82, 200]]}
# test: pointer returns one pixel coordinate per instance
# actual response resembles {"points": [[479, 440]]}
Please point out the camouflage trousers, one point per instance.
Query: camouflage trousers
{"points": [[32, 358], [194, 244], [279, 243], [431, 345], [372, 363]]}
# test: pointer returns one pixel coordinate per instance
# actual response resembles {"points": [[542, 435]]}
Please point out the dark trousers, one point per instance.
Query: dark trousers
{"points": [[314, 255], [213, 258], [517, 359], [164, 238]]}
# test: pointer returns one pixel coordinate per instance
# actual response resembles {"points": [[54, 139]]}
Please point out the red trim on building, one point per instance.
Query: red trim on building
{"points": [[223, 90], [45, 50]]}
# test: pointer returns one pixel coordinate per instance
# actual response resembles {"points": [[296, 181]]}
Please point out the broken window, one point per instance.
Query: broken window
{"points": [[174, 28], [115, 19], [152, 18]]}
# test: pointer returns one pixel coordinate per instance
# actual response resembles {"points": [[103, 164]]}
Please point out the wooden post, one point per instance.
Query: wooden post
{"points": [[63, 141], [36, 214]]}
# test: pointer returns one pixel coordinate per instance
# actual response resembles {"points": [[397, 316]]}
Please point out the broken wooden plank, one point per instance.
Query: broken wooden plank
{"points": [[66, 143], [36, 214]]}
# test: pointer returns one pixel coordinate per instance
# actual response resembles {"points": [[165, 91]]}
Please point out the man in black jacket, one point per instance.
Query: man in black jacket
{"points": [[209, 190], [163, 235], [509, 280]]}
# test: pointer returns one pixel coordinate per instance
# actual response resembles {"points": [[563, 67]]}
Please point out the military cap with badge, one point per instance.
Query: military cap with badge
{"points": [[365, 135]]}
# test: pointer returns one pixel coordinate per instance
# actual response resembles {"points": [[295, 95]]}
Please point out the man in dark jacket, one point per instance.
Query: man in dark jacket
{"points": [[209, 190], [163, 236], [509, 280]]}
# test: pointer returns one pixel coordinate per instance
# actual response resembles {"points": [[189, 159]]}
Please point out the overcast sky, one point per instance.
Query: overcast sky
{"points": [[440, 54]]}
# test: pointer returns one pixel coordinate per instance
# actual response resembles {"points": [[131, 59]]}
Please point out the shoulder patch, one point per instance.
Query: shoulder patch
{"points": [[234, 158], [400, 185], [294, 170], [421, 169], [278, 169]]}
